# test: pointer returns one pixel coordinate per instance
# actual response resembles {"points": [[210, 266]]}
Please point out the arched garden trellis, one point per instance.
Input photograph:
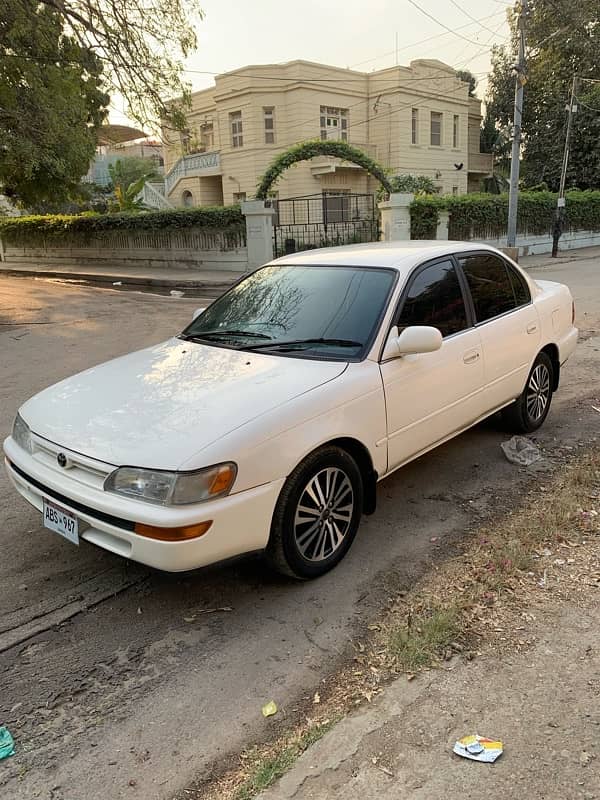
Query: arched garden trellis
{"points": [[328, 218]]}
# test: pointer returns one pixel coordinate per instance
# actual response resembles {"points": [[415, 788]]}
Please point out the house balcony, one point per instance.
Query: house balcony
{"points": [[481, 163], [195, 165], [323, 165]]}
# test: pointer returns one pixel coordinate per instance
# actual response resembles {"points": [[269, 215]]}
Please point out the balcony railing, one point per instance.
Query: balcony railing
{"points": [[194, 165], [480, 162]]}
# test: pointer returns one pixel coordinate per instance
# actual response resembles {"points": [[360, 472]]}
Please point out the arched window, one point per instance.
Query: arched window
{"points": [[187, 198]]}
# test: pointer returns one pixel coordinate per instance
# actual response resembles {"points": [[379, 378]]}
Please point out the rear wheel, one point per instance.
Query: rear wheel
{"points": [[317, 514], [529, 411]]}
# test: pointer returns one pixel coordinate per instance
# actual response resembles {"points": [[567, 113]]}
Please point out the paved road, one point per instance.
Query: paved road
{"points": [[108, 687]]}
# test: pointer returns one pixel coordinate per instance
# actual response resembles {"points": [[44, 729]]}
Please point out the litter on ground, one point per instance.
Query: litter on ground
{"points": [[478, 748], [7, 745], [269, 709], [522, 451], [176, 293]]}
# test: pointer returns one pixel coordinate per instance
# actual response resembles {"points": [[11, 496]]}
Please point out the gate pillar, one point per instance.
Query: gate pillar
{"points": [[259, 232], [395, 217]]}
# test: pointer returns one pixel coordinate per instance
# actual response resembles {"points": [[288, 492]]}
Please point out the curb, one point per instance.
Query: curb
{"points": [[210, 288]]}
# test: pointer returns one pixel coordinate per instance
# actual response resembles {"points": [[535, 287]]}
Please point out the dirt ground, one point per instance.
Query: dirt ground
{"points": [[108, 690]]}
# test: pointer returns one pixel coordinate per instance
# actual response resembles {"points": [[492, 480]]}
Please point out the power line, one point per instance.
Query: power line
{"points": [[441, 24], [472, 18], [427, 39]]}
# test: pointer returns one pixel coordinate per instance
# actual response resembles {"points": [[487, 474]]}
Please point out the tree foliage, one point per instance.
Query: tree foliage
{"points": [[141, 44], [563, 40], [51, 103], [466, 76]]}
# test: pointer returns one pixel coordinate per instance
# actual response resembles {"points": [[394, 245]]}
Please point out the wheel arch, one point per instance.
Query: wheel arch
{"points": [[364, 462], [551, 351]]}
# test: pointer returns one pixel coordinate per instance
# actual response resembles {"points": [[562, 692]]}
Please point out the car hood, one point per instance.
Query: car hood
{"points": [[159, 406]]}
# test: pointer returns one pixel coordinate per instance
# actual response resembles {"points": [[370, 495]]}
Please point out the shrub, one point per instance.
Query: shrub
{"points": [[19, 230]]}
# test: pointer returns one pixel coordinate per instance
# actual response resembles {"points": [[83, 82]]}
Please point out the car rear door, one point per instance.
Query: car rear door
{"points": [[507, 322], [430, 396]]}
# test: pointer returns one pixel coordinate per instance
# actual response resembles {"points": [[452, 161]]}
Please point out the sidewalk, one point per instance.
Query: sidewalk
{"points": [[212, 282], [541, 703]]}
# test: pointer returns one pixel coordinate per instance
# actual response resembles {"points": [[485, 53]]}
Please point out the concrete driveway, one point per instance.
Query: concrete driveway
{"points": [[121, 682]]}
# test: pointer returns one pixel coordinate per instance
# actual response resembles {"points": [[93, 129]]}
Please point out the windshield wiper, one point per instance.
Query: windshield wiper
{"points": [[224, 333], [303, 344]]}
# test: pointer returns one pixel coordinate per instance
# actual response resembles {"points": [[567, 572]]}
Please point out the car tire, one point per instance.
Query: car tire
{"points": [[317, 515], [530, 409]]}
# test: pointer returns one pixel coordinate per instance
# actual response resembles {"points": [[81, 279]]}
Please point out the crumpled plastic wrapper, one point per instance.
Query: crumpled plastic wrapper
{"points": [[521, 450], [478, 748]]}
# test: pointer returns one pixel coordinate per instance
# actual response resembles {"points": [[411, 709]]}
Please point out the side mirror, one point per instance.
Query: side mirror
{"points": [[413, 340], [197, 312]]}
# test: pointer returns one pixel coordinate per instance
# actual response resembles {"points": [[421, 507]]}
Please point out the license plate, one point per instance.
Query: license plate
{"points": [[61, 521]]}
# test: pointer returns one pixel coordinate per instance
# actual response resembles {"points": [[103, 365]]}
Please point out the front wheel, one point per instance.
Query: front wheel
{"points": [[317, 514], [529, 411]]}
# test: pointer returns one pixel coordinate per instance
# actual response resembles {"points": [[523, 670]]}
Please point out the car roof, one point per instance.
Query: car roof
{"points": [[402, 256]]}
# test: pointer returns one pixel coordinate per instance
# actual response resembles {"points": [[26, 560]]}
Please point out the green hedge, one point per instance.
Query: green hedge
{"points": [[35, 229], [484, 216]]}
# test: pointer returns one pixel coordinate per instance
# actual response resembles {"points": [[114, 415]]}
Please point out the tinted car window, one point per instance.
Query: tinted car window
{"points": [[519, 285], [490, 285], [435, 298]]}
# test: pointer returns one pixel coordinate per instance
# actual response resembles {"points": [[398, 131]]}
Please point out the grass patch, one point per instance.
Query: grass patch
{"points": [[269, 767], [425, 638]]}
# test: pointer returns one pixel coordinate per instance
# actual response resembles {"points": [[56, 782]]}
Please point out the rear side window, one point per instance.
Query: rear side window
{"points": [[490, 284], [435, 298], [520, 287]]}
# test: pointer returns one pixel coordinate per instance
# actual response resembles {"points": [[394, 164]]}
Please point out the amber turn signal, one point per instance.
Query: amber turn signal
{"points": [[179, 534], [223, 479]]}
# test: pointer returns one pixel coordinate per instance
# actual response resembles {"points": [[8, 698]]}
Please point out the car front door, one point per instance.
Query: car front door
{"points": [[433, 395], [507, 322]]}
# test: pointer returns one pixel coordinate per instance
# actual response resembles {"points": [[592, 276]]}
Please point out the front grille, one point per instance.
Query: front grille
{"points": [[126, 524]]}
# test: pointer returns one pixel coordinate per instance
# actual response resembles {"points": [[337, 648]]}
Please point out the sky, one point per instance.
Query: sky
{"points": [[359, 34]]}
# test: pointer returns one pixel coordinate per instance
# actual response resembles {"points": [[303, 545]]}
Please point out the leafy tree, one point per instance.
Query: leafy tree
{"points": [[141, 44], [467, 77], [51, 103], [126, 196], [130, 169], [563, 40]]}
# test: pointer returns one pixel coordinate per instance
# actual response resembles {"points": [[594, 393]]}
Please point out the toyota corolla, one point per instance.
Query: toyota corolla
{"points": [[267, 423]]}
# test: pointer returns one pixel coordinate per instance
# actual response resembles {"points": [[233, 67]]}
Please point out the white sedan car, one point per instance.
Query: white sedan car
{"points": [[268, 422]]}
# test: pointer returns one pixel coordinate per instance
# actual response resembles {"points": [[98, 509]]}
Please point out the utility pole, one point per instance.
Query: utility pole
{"points": [[561, 203], [515, 163]]}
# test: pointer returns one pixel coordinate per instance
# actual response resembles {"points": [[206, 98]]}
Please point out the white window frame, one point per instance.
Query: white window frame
{"points": [[334, 123], [414, 126], [236, 129], [269, 118], [439, 117], [455, 131]]}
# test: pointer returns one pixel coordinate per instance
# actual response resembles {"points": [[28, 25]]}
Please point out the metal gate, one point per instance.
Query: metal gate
{"points": [[323, 220]]}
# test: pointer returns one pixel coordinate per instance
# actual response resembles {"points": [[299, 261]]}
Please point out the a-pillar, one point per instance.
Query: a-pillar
{"points": [[395, 217], [259, 232]]}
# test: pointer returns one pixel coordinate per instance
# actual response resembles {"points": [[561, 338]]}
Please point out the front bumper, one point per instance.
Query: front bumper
{"points": [[241, 522]]}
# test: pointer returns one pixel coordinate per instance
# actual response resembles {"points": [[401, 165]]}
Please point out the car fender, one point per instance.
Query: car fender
{"points": [[269, 447]]}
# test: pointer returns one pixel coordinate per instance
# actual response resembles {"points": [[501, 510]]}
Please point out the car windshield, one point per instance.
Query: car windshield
{"points": [[327, 312]]}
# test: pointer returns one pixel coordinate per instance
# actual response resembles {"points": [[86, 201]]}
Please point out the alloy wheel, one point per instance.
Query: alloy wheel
{"points": [[323, 514], [538, 392]]}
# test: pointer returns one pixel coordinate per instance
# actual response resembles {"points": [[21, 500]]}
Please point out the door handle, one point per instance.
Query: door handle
{"points": [[471, 357], [532, 328]]}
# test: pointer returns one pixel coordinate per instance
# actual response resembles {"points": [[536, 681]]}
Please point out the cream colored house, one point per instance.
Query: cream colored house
{"points": [[417, 119]]}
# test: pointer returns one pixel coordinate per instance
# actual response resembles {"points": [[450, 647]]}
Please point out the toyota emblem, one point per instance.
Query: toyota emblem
{"points": [[62, 460]]}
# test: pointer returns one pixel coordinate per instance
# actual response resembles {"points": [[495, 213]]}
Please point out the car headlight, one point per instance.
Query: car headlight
{"points": [[172, 488], [21, 433]]}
